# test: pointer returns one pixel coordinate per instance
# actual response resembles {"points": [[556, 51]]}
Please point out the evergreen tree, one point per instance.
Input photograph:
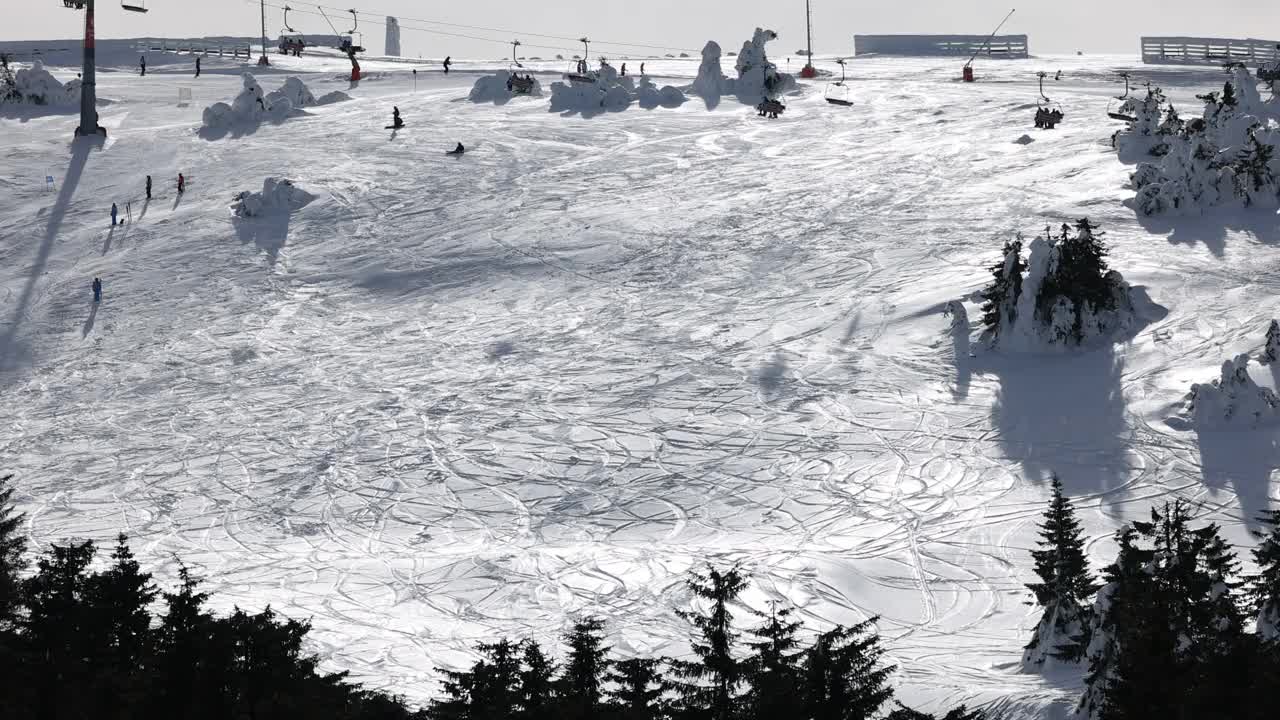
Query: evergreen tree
{"points": [[1253, 169], [13, 561], [1000, 298], [121, 599], [1228, 95], [960, 713], [1265, 586], [61, 628], [844, 679], [537, 694], [711, 683], [1271, 352], [495, 691], [1120, 601], [1065, 584], [581, 683], [638, 689], [773, 674]]}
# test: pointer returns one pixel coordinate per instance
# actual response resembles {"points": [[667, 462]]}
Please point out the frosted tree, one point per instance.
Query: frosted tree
{"points": [[1265, 586], [1233, 400], [1255, 181], [1064, 587], [1271, 352], [1078, 297], [1118, 608], [1000, 298]]}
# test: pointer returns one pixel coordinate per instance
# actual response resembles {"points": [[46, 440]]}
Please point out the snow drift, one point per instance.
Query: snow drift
{"points": [[1232, 401], [1227, 157], [758, 77], [498, 89], [277, 196], [252, 107], [37, 86]]}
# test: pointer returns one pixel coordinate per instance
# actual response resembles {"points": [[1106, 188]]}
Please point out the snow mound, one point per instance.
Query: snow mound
{"points": [[499, 89], [1024, 140], [277, 196], [37, 86], [1227, 157], [1232, 401], [252, 107], [611, 93]]}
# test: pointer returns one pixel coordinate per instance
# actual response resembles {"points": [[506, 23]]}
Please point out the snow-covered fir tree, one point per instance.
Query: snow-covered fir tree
{"points": [[1147, 134], [1064, 588], [1234, 400], [1265, 587], [1119, 603], [1271, 349], [1064, 296]]}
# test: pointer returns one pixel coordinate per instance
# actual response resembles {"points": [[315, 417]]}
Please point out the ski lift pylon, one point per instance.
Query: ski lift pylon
{"points": [[838, 92]]}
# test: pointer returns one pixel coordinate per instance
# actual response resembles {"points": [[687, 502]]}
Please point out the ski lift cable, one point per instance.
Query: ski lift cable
{"points": [[508, 32]]}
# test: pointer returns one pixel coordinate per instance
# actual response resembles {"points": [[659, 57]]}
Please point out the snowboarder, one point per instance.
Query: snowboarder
{"points": [[97, 290], [182, 183], [641, 69], [448, 60], [624, 69], [197, 66], [113, 214], [458, 150], [148, 187], [396, 122], [142, 63]]}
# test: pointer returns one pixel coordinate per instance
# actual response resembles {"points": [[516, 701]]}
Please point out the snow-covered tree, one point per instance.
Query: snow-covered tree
{"points": [[1000, 298], [1271, 351], [1255, 180], [1147, 134], [1266, 584], [1233, 400], [1119, 603], [1064, 588]]}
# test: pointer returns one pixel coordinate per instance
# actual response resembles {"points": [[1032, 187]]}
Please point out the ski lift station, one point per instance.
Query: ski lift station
{"points": [[998, 46]]}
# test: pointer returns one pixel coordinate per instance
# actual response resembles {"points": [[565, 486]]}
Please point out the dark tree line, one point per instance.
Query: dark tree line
{"points": [[1175, 630]]}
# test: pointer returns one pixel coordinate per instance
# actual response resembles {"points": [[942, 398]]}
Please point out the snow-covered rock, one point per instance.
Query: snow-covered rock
{"points": [[610, 92], [498, 88], [1059, 627], [1232, 401], [276, 196], [36, 86]]}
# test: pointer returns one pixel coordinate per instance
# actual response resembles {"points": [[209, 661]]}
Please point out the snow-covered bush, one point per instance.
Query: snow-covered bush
{"points": [[1232, 401], [1155, 122], [499, 88], [757, 77], [710, 84], [611, 92], [1063, 296], [276, 196], [253, 106], [37, 86], [1226, 157]]}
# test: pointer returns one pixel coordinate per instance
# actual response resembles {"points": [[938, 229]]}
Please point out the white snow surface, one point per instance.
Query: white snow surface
{"points": [[457, 398]]}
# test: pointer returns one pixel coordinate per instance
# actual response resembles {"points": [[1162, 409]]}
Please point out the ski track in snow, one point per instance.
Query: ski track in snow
{"points": [[455, 398]]}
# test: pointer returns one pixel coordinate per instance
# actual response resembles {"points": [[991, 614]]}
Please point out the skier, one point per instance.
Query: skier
{"points": [[182, 184], [197, 66], [97, 290], [142, 63], [396, 122], [148, 187], [448, 60], [113, 214], [624, 69], [458, 150], [642, 69]]}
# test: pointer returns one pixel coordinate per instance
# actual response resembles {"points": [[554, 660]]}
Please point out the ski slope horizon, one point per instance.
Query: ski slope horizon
{"points": [[458, 398]]}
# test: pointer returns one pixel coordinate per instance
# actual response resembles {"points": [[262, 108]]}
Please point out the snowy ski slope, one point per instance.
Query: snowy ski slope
{"points": [[455, 398]]}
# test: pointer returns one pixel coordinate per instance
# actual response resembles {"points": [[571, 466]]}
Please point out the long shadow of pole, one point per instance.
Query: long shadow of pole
{"points": [[80, 150]]}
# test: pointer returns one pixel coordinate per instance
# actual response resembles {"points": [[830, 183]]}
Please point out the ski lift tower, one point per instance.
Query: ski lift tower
{"points": [[88, 84], [263, 61], [808, 70]]}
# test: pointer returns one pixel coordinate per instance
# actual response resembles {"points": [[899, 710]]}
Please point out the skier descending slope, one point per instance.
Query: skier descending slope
{"points": [[396, 122], [97, 290], [182, 183], [148, 187]]}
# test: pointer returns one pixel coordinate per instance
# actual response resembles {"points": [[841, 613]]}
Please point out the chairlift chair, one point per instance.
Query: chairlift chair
{"points": [[837, 92], [1117, 104], [1048, 112], [138, 6], [576, 75]]}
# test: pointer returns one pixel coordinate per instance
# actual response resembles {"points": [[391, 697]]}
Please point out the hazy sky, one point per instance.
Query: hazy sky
{"points": [[1090, 25]]}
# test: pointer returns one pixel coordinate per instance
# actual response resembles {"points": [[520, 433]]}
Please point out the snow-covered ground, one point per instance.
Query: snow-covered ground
{"points": [[453, 398]]}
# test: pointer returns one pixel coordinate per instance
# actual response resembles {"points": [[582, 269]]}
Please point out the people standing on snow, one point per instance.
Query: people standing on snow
{"points": [[148, 187], [624, 69], [642, 69], [113, 214], [142, 63], [97, 290], [197, 66], [182, 183], [448, 60]]}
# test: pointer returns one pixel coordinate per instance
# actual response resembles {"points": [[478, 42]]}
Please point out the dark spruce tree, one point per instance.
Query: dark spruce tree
{"points": [[902, 712], [61, 629], [581, 685], [121, 598], [638, 689], [16, 699], [1064, 585], [710, 684], [1122, 602], [537, 678], [772, 672], [1000, 298], [1265, 585], [1253, 169], [192, 664], [496, 687], [844, 677], [1271, 350]]}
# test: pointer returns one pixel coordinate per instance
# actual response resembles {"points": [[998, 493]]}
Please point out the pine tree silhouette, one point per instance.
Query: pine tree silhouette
{"points": [[711, 683], [638, 689], [844, 679], [61, 628], [121, 598], [581, 682], [1265, 585], [537, 677], [13, 561], [773, 673]]}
